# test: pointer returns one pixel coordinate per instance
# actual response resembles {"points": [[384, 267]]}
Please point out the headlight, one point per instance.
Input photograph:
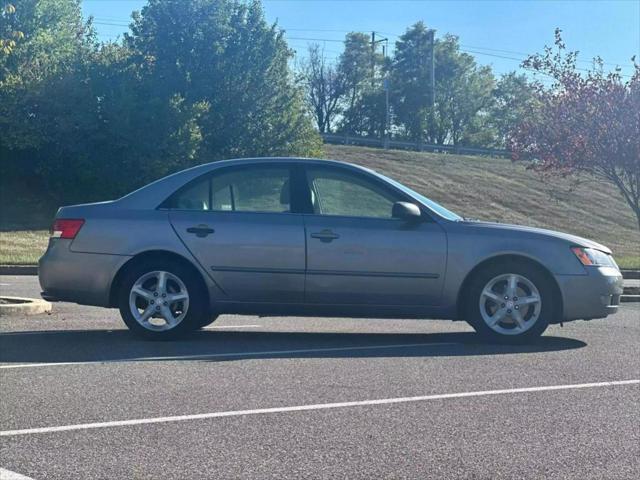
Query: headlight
{"points": [[591, 256]]}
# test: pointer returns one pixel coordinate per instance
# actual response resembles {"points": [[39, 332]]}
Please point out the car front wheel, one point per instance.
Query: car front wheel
{"points": [[162, 300], [510, 303]]}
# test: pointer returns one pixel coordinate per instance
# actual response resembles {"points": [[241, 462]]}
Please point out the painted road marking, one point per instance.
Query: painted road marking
{"points": [[9, 475], [63, 332], [231, 326], [302, 408], [232, 354], [53, 332]]}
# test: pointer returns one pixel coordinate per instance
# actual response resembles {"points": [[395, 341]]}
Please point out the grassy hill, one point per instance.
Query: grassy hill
{"points": [[476, 187]]}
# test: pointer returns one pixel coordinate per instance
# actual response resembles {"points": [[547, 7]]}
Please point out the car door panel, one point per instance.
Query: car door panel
{"points": [[374, 261], [238, 223], [253, 257]]}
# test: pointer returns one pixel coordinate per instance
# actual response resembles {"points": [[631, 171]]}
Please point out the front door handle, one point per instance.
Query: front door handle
{"points": [[201, 230], [325, 235]]}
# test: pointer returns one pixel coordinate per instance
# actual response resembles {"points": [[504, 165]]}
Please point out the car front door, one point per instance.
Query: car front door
{"points": [[358, 254], [238, 224]]}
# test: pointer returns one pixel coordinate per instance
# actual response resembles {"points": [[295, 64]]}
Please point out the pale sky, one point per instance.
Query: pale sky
{"points": [[499, 33]]}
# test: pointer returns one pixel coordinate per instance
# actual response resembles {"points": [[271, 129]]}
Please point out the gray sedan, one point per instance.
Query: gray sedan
{"points": [[286, 236]]}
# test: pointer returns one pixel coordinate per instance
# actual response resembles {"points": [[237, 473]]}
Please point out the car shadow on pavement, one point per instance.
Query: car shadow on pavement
{"points": [[119, 345]]}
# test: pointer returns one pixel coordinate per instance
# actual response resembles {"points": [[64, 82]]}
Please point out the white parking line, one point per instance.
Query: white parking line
{"points": [[51, 332], [231, 326], [301, 408], [9, 475], [66, 332], [231, 355]]}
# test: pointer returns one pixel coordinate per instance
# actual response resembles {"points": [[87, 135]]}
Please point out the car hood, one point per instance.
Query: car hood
{"points": [[572, 239]]}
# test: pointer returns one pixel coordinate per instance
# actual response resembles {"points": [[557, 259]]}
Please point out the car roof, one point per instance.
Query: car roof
{"points": [[257, 160], [153, 194]]}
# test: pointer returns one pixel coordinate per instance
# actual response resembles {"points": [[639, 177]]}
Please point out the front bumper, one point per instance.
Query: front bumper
{"points": [[594, 295], [77, 277]]}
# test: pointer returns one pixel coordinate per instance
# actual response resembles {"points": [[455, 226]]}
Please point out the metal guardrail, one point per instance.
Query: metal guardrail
{"points": [[405, 145]]}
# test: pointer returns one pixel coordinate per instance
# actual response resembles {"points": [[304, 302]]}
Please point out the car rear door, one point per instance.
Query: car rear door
{"points": [[238, 223], [358, 254]]}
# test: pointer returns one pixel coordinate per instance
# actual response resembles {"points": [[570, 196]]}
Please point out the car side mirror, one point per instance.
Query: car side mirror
{"points": [[406, 211]]}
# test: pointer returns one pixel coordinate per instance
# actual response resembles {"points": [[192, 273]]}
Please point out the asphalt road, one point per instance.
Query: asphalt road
{"points": [[81, 398]]}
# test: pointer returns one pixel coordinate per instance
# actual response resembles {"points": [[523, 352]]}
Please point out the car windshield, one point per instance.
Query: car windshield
{"points": [[436, 207]]}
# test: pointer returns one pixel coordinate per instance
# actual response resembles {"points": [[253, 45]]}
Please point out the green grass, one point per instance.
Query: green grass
{"points": [[22, 247], [476, 187], [631, 262]]}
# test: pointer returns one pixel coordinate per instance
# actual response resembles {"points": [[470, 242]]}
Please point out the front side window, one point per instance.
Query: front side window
{"points": [[259, 189], [335, 192]]}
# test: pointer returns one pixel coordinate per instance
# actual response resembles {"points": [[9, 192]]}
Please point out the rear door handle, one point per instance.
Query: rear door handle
{"points": [[200, 230], [325, 235]]}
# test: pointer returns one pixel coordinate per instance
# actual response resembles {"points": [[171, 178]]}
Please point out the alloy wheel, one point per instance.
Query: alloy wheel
{"points": [[510, 304], [159, 300]]}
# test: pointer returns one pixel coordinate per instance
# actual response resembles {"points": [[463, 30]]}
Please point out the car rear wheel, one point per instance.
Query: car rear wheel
{"points": [[162, 300], [510, 303]]}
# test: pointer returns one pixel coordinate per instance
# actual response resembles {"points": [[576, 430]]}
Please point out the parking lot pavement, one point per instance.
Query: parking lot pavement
{"points": [[258, 397]]}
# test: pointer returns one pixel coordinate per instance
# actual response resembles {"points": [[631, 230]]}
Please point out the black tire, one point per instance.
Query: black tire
{"points": [[196, 314], [535, 275]]}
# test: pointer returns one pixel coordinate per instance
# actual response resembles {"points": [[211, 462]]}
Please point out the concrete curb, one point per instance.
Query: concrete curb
{"points": [[630, 298], [26, 306], [18, 270], [630, 274]]}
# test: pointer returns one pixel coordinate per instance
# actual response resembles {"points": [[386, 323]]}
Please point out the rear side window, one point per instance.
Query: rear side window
{"points": [[194, 197], [259, 189]]}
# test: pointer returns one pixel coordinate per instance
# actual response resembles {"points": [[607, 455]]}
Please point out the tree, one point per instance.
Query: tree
{"points": [[193, 82], [76, 121], [223, 53], [411, 80], [463, 96], [513, 98], [9, 34], [324, 86], [463, 91], [42, 102], [53, 41], [361, 69], [584, 123]]}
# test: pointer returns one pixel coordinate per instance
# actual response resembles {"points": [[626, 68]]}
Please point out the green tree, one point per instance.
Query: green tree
{"points": [[193, 82], [54, 40], [362, 70], [76, 121], [223, 54], [463, 91], [9, 34], [40, 111], [411, 81], [514, 97], [463, 96]]}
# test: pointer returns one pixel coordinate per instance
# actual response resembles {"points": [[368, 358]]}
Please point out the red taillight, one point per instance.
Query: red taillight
{"points": [[66, 227]]}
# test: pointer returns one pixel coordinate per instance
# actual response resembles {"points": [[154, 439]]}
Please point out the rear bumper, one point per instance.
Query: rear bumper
{"points": [[77, 277], [595, 295]]}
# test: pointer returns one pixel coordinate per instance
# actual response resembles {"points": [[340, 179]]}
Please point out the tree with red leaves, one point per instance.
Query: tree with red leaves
{"points": [[585, 122]]}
